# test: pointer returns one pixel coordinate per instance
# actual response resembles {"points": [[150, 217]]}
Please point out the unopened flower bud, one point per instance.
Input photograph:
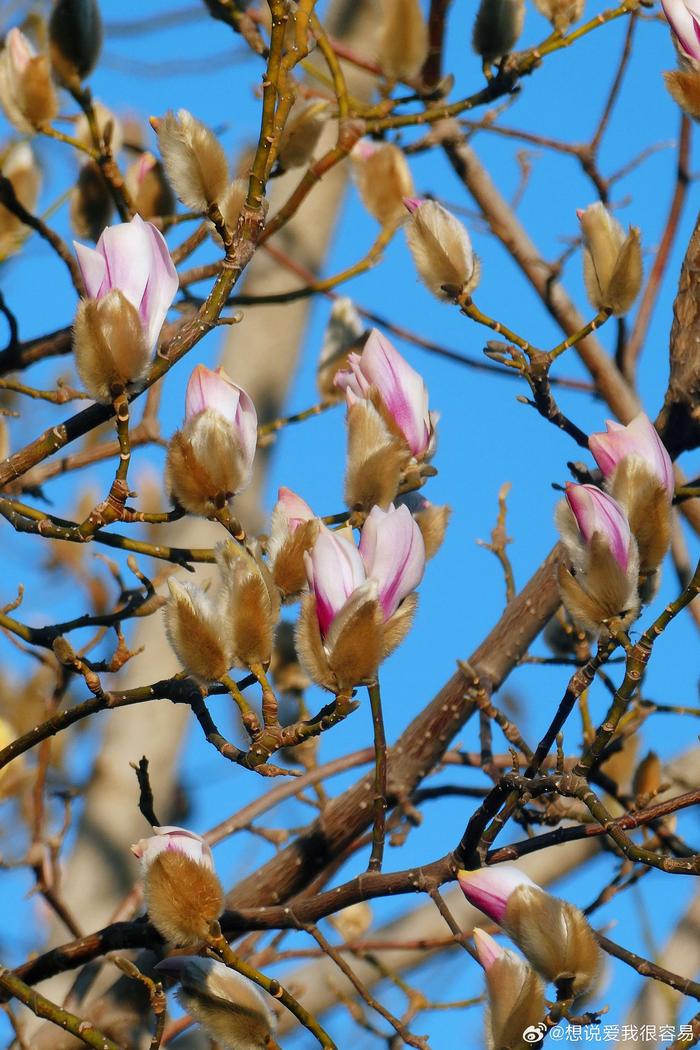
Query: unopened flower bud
{"points": [[561, 13], [344, 332], [375, 460], [194, 160], [432, 520], [515, 993], [383, 179], [250, 605], [27, 94], [183, 895], [109, 345], [211, 458], [599, 585], [148, 188], [647, 776], [497, 28], [109, 127], [75, 33], [639, 475], [403, 40], [91, 203], [301, 133], [441, 250], [684, 20], [553, 935], [293, 531], [612, 262], [392, 548], [195, 629], [683, 85], [19, 166], [229, 1007]]}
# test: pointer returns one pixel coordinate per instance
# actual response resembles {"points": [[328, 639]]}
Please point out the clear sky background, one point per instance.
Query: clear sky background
{"points": [[486, 436]]}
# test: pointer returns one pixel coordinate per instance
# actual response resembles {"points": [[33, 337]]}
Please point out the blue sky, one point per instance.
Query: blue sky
{"points": [[486, 436]]}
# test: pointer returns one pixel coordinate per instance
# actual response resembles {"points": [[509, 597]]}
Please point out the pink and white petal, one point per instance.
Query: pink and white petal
{"points": [[247, 424], [487, 949], [161, 287], [488, 889], [294, 508], [127, 252], [93, 268]]}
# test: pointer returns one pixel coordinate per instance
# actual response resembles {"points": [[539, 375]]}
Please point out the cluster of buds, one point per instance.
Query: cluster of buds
{"points": [[211, 458], [361, 600], [228, 1006], [552, 934], [616, 539], [130, 282], [389, 423], [383, 179], [27, 93], [210, 634], [182, 892], [441, 249], [612, 260], [403, 40]]}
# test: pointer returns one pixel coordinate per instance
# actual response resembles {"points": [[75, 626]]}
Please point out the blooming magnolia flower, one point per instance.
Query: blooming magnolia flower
{"points": [[597, 513], [401, 389], [27, 94], [211, 458], [393, 551], [173, 839], [684, 19], [441, 249], [640, 439], [490, 889], [133, 258], [335, 569]]}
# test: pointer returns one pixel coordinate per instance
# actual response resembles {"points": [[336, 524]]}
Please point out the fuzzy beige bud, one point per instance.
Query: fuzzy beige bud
{"points": [[195, 630], [683, 85], [183, 898], [497, 28], [110, 345], [344, 334], [555, 937], [27, 94], [375, 459], [148, 187], [383, 179], [647, 776], [441, 250], [354, 921], [515, 1000], [91, 203], [194, 160], [648, 510], [18, 164], [403, 41], [561, 13], [431, 520], [301, 133], [287, 564], [250, 605], [353, 648], [612, 262]]}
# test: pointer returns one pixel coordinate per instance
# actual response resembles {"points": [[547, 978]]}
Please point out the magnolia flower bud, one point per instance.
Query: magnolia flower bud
{"points": [[109, 127], [354, 921], [148, 187], [685, 25], [647, 776], [515, 993], [599, 586], [612, 263], [683, 85], [194, 160], [19, 166], [75, 33], [344, 332], [383, 179], [561, 13], [301, 133], [431, 520], [293, 531], [91, 203], [183, 894], [381, 375], [553, 934], [441, 250], [497, 28], [250, 605], [375, 459], [27, 94], [403, 41], [361, 606], [211, 458], [131, 282], [639, 474], [228, 1006], [196, 631]]}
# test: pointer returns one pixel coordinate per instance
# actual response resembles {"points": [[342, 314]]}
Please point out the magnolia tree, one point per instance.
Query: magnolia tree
{"points": [[286, 631]]}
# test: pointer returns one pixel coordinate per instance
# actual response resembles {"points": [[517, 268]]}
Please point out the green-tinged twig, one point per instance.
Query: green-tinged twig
{"points": [[42, 1007], [598, 321]]}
